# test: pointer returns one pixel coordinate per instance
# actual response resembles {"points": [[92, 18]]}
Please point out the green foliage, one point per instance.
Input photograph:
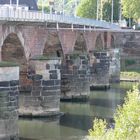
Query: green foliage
{"points": [[99, 128], [107, 7], [127, 121], [130, 62], [131, 8], [44, 57], [87, 9]]}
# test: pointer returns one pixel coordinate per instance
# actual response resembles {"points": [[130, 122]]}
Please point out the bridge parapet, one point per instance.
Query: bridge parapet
{"points": [[10, 14]]}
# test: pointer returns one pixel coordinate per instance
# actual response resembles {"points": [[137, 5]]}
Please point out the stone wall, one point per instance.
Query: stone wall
{"points": [[75, 77], [99, 70], [9, 83], [129, 44], [44, 97]]}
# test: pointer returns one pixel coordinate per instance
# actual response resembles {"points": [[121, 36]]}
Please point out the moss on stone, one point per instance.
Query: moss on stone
{"points": [[8, 64], [43, 57]]}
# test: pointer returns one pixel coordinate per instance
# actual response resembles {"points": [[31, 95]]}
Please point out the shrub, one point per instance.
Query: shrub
{"points": [[127, 121]]}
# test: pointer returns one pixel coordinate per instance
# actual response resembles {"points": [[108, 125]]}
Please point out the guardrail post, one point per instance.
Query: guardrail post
{"points": [[57, 26]]}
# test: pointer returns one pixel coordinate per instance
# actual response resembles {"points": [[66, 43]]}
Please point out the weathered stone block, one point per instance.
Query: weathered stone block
{"points": [[53, 76], [14, 83], [48, 83], [36, 77], [4, 83]]}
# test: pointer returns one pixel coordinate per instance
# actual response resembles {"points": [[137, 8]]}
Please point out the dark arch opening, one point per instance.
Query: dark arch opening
{"points": [[12, 51], [53, 46], [112, 42], [80, 45], [99, 43]]}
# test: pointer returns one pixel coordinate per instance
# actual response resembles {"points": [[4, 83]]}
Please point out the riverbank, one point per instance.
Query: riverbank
{"points": [[130, 76]]}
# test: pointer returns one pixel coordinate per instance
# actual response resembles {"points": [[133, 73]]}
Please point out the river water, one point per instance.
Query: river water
{"points": [[78, 117]]}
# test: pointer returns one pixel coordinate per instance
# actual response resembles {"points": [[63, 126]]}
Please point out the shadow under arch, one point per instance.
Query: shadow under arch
{"points": [[99, 43], [13, 51], [53, 47], [113, 42], [80, 46]]}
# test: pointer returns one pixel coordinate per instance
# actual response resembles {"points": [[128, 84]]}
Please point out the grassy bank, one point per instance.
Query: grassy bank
{"points": [[130, 75]]}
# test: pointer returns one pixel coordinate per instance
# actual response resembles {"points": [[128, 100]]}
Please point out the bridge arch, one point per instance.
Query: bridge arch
{"points": [[19, 34], [99, 44], [53, 47], [12, 50]]}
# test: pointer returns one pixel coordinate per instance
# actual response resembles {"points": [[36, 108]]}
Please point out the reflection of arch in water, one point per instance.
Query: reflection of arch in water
{"points": [[13, 51], [53, 47], [99, 43], [80, 46]]}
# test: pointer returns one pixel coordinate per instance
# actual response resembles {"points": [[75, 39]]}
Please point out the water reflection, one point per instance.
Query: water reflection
{"points": [[78, 117]]}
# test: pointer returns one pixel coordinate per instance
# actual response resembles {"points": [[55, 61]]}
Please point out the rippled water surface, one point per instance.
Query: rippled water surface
{"points": [[78, 117]]}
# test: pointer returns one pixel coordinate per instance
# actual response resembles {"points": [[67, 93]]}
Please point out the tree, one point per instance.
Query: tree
{"points": [[127, 121], [107, 9], [131, 8], [87, 9]]}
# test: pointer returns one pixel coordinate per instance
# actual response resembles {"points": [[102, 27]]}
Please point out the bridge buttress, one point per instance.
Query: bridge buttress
{"points": [[9, 92]]}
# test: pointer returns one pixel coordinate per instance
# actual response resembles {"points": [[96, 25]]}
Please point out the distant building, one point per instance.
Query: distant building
{"points": [[32, 4]]}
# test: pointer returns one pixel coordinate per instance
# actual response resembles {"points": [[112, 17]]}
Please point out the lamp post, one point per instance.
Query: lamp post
{"points": [[51, 3], [75, 7], [42, 6], [120, 16], [112, 11], [101, 2], [17, 3], [97, 10], [63, 6], [10, 2]]}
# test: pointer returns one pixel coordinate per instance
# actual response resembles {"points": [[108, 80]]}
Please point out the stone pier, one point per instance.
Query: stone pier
{"points": [[44, 97], [114, 69], [9, 83], [75, 78], [99, 70]]}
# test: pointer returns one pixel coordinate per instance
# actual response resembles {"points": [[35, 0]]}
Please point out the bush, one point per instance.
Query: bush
{"points": [[127, 121]]}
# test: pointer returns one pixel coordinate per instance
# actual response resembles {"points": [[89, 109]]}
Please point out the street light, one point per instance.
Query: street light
{"points": [[97, 12], [120, 16], [51, 3], [63, 6], [75, 1], [17, 3], [10, 2], [101, 2], [112, 11], [42, 6]]}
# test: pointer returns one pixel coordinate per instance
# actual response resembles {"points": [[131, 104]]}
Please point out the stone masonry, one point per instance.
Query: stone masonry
{"points": [[44, 97], [99, 70], [9, 83], [114, 69], [75, 77]]}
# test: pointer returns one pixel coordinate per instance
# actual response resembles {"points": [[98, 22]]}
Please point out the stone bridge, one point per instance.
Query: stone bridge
{"points": [[51, 64], [41, 63]]}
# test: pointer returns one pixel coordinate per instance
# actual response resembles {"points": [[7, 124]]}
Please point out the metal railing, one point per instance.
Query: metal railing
{"points": [[15, 14]]}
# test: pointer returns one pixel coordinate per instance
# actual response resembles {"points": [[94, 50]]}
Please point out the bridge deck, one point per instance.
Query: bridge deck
{"points": [[10, 14]]}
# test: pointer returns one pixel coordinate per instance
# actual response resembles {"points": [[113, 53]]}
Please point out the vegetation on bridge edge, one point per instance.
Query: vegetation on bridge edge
{"points": [[44, 57], [8, 64], [127, 120]]}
